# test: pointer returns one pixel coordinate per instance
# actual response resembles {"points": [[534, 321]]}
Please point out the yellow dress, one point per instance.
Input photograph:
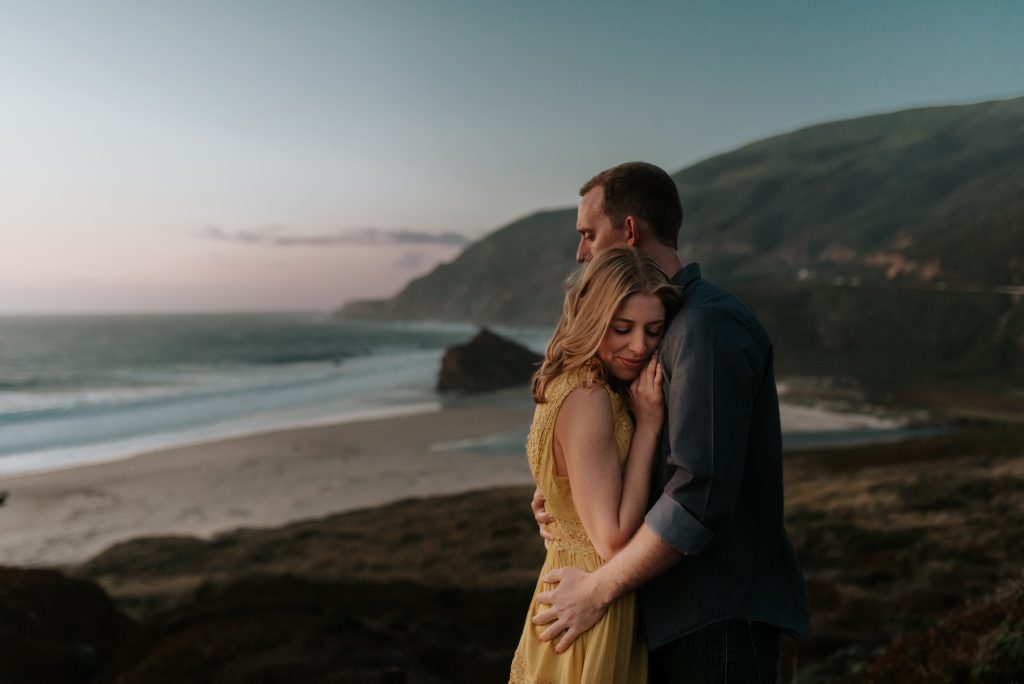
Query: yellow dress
{"points": [[611, 651]]}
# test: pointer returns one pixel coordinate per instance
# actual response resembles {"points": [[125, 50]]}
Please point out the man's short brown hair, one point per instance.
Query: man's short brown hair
{"points": [[642, 190]]}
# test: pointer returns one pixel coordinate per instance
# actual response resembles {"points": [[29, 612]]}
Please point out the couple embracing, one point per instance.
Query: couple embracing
{"points": [[657, 453]]}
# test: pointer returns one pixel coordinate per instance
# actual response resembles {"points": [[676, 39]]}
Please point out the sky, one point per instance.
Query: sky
{"points": [[270, 156]]}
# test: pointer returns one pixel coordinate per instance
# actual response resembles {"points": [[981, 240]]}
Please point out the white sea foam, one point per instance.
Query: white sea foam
{"points": [[165, 405], [129, 408]]}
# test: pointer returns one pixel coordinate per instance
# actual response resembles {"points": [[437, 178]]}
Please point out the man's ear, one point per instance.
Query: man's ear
{"points": [[632, 227]]}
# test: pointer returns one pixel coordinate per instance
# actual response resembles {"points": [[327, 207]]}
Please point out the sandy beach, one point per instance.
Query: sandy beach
{"points": [[64, 517]]}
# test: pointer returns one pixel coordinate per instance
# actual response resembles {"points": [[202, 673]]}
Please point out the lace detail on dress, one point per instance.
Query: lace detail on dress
{"points": [[533, 443], [521, 674], [572, 537]]}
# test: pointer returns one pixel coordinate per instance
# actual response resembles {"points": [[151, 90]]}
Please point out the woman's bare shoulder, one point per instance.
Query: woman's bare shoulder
{"points": [[586, 407]]}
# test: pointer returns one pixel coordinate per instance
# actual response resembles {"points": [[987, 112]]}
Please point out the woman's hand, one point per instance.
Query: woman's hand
{"points": [[645, 394]]}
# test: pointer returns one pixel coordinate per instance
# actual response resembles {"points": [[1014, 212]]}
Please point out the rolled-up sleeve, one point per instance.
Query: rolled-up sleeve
{"points": [[710, 367]]}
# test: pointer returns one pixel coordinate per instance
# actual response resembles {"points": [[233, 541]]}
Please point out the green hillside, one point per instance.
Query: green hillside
{"points": [[926, 195], [512, 276], [889, 248]]}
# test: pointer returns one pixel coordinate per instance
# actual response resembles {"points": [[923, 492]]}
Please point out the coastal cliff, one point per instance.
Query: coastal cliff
{"points": [[886, 249]]}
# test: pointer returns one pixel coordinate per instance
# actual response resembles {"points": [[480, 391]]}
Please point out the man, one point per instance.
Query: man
{"points": [[717, 576]]}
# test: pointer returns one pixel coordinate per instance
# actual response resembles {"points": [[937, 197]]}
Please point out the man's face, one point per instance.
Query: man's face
{"points": [[595, 227]]}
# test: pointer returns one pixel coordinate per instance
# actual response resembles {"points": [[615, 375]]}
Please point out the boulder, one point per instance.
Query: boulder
{"points": [[54, 628], [487, 362]]}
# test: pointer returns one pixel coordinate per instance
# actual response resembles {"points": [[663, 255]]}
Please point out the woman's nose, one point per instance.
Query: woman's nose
{"points": [[638, 345]]}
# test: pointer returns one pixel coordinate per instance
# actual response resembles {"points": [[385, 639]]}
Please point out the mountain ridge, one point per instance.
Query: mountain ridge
{"points": [[900, 221]]}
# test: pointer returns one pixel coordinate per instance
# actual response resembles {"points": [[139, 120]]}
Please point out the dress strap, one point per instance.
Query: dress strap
{"points": [[541, 436]]}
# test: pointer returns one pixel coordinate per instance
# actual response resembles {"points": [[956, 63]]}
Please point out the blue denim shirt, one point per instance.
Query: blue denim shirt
{"points": [[717, 486]]}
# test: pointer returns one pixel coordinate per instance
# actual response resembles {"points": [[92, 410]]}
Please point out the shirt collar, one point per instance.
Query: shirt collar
{"points": [[686, 275]]}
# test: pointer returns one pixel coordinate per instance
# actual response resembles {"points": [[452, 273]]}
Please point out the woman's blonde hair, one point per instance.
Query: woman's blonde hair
{"points": [[591, 300]]}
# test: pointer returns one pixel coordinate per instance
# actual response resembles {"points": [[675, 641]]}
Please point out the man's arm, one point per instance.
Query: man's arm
{"points": [[716, 370], [581, 598]]}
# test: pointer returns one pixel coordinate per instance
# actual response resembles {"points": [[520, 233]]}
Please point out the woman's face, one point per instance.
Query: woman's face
{"points": [[633, 334]]}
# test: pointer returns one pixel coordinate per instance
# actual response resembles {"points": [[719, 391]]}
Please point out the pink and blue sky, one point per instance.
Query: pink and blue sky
{"points": [[256, 155]]}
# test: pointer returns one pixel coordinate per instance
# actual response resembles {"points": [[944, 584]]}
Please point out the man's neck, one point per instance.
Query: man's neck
{"points": [[667, 260]]}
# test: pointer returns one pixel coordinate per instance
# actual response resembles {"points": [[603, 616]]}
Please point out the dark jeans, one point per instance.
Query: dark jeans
{"points": [[729, 651]]}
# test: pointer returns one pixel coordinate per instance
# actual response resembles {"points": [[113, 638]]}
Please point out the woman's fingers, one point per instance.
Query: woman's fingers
{"points": [[645, 390], [652, 375]]}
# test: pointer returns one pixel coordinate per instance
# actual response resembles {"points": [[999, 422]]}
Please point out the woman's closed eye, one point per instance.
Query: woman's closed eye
{"points": [[650, 332]]}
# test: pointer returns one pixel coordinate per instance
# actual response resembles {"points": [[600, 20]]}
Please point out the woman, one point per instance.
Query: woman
{"points": [[591, 458]]}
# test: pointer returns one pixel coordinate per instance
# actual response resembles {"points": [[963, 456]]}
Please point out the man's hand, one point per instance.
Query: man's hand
{"points": [[542, 517], [576, 606]]}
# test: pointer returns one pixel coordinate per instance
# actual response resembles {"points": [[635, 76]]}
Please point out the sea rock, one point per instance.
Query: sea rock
{"points": [[487, 362]]}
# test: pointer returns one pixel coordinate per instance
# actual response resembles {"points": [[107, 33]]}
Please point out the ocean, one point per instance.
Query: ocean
{"points": [[84, 389]]}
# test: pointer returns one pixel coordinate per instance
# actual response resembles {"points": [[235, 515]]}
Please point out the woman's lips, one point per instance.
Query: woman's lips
{"points": [[631, 364]]}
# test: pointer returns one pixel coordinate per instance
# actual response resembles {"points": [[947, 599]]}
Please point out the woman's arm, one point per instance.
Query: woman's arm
{"points": [[611, 501]]}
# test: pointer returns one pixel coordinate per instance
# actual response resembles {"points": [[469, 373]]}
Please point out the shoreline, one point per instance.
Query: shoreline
{"points": [[812, 425], [65, 516], [70, 458]]}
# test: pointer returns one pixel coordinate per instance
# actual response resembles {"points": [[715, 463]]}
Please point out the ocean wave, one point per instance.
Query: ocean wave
{"points": [[91, 417], [177, 388], [82, 386]]}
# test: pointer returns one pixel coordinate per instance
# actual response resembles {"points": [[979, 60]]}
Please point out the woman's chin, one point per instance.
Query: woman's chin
{"points": [[621, 372], [625, 375]]}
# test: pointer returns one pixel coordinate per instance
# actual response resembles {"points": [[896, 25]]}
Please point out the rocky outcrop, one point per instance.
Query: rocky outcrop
{"points": [[288, 629], [487, 362], [56, 629]]}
